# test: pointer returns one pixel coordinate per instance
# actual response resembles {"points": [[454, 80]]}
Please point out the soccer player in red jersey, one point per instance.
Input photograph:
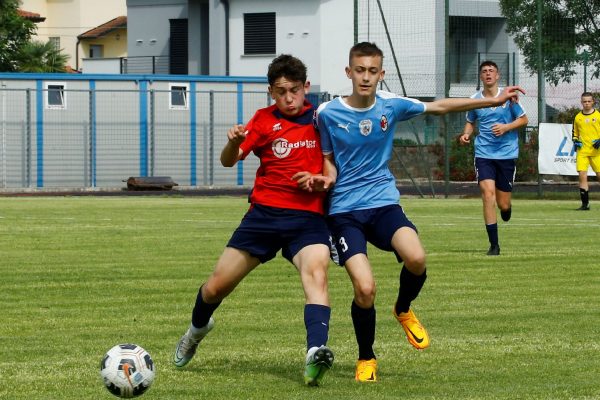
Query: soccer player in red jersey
{"points": [[282, 216]]}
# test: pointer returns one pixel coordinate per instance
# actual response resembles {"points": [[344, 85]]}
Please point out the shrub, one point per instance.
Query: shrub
{"points": [[527, 163], [460, 159]]}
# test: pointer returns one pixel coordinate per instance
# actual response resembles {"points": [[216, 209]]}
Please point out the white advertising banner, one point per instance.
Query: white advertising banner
{"points": [[556, 155]]}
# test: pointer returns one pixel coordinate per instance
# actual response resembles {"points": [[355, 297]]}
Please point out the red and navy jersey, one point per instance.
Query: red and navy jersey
{"points": [[284, 146]]}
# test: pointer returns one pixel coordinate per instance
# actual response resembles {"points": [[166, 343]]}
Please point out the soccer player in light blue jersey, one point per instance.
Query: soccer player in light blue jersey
{"points": [[496, 150], [356, 136]]}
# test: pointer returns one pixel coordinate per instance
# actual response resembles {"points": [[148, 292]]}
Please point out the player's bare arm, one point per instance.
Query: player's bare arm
{"points": [[313, 182], [303, 178], [231, 152], [501, 129], [320, 183], [444, 106], [465, 137], [329, 176]]}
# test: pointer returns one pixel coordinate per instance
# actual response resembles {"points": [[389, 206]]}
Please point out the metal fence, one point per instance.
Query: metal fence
{"points": [[98, 137], [432, 49]]}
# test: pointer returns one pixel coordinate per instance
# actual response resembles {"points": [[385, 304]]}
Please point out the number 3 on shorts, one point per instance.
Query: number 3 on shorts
{"points": [[343, 244]]}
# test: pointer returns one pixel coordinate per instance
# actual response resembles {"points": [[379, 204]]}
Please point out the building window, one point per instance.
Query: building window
{"points": [[96, 51], [55, 97], [178, 96], [471, 39], [178, 47], [55, 42], [259, 33]]}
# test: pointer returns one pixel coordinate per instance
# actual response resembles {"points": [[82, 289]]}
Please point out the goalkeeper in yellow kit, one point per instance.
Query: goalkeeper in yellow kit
{"points": [[586, 140]]}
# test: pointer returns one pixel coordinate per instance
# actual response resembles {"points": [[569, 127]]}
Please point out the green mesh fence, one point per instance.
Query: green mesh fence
{"points": [[433, 49]]}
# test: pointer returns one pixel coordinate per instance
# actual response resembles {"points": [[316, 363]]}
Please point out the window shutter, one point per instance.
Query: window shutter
{"points": [[259, 33]]}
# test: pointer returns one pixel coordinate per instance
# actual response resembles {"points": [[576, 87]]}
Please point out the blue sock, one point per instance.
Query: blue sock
{"points": [[410, 287], [492, 231], [202, 311], [316, 320], [363, 320]]}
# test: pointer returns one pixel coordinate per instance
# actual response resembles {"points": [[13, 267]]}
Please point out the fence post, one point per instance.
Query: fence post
{"points": [[585, 67], [240, 120], [152, 132], [39, 135], [3, 135], [28, 137], [93, 133], [211, 138], [143, 103], [193, 135], [514, 68], [87, 144], [541, 79]]}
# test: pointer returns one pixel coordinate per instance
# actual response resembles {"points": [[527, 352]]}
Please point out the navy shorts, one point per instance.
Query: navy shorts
{"points": [[501, 171], [266, 230], [352, 230]]}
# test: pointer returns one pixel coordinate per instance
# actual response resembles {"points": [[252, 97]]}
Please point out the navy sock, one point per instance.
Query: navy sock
{"points": [[364, 328], [410, 287], [316, 321], [492, 232], [202, 311], [585, 196]]}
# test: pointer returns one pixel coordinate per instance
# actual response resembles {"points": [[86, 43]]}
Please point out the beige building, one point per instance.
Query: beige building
{"points": [[65, 20]]}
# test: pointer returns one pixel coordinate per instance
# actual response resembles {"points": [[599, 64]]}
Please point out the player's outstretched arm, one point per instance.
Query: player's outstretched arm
{"points": [[231, 153], [444, 106]]}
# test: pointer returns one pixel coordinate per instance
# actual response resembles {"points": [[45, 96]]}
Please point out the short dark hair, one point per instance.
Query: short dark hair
{"points": [[286, 66], [587, 94], [364, 49], [488, 63]]}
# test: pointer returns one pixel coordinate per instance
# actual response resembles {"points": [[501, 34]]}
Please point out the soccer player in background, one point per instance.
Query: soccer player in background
{"points": [[356, 136], [586, 139], [496, 150], [282, 216]]}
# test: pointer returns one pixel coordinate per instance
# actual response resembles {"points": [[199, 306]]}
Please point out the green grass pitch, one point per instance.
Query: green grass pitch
{"points": [[81, 274]]}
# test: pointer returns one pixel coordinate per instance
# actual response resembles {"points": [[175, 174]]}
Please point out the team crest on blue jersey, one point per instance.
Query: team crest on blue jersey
{"points": [[383, 123], [502, 106], [365, 126]]}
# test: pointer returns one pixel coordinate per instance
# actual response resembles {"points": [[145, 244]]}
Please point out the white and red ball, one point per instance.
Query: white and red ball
{"points": [[127, 370]]}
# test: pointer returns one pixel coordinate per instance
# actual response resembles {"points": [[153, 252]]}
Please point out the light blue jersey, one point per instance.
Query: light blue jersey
{"points": [[361, 140], [488, 145]]}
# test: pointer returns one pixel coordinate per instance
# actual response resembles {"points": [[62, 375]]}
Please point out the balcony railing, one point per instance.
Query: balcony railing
{"points": [[128, 65]]}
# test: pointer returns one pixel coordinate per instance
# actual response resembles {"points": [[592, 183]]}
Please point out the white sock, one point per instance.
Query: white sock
{"points": [[310, 352]]}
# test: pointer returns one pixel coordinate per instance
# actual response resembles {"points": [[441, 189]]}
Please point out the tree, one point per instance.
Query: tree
{"points": [[15, 32], [570, 35], [567, 115], [41, 57]]}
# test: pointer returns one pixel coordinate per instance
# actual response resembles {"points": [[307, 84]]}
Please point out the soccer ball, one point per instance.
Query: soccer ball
{"points": [[127, 370]]}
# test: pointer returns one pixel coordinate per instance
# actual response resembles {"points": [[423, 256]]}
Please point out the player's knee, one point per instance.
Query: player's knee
{"points": [[316, 277], [364, 295], [415, 262], [489, 196], [213, 292]]}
